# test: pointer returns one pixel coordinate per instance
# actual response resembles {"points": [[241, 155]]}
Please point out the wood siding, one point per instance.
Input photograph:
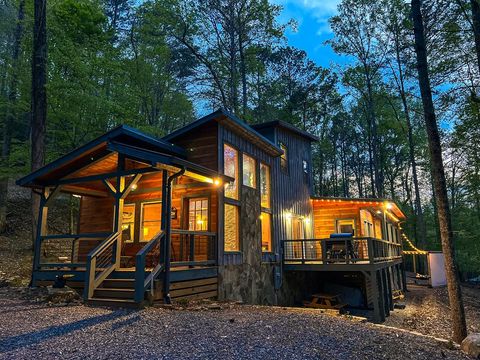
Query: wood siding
{"points": [[96, 214], [291, 192]]}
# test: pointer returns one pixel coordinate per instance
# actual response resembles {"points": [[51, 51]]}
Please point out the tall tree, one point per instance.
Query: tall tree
{"points": [[438, 175], [355, 28], [10, 114], [39, 94]]}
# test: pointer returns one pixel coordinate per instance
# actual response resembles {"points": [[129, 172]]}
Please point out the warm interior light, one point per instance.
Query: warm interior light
{"points": [[379, 212], [307, 220], [261, 217], [288, 215]]}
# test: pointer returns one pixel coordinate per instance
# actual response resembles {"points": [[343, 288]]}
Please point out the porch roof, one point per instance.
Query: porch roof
{"points": [[98, 159]]}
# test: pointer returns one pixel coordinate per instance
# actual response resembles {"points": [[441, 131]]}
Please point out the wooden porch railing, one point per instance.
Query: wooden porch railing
{"points": [[148, 257], [65, 250], [193, 248], [101, 262], [355, 250]]}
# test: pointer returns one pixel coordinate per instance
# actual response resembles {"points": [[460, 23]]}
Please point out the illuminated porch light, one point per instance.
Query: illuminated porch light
{"points": [[379, 212], [307, 220], [134, 187], [261, 217], [388, 206], [217, 182], [77, 196]]}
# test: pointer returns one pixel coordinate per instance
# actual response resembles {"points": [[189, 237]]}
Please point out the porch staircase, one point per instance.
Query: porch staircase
{"points": [[116, 290]]}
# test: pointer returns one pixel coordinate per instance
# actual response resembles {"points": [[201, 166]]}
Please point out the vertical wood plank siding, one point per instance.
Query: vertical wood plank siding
{"points": [[290, 191], [243, 146]]}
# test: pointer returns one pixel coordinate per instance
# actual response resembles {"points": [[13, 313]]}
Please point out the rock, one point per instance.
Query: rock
{"points": [[471, 345], [62, 295]]}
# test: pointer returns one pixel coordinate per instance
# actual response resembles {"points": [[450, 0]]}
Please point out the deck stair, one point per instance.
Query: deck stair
{"points": [[116, 290]]}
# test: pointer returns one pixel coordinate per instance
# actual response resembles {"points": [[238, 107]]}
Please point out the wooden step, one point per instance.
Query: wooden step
{"points": [[114, 293], [112, 302], [118, 283]]}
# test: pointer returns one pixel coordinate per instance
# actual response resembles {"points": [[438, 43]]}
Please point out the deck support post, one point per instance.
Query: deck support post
{"points": [[40, 231], [390, 287], [378, 305], [168, 233]]}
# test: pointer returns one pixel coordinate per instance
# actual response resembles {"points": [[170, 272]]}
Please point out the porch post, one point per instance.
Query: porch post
{"points": [[168, 225], [118, 209], [40, 231]]}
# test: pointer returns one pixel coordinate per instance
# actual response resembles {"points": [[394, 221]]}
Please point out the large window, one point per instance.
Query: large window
{"points": [[230, 164], [266, 222], [151, 220], [249, 171], [284, 158], [231, 236], [265, 185], [198, 214], [128, 222], [345, 226]]}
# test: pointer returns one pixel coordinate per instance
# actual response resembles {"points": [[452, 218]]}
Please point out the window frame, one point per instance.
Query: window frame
{"points": [[141, 221], [255, 162], [135, 225], [284, 161], [238, 237], [269, 215], [239, 171], [306, 171], [269, 181], [186, 210], [337, 224]]}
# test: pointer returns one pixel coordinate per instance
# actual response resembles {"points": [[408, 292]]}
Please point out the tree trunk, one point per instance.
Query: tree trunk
{"points": [[11, 114], [421, 235], [475, 5], [39, 96], [438, 174]]}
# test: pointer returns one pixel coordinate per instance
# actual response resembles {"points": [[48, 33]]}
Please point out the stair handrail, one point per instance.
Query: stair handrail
{"points": [[142, 283], [92, 281]]}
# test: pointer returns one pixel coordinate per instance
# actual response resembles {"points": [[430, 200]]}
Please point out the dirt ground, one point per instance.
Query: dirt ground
{"points": [[427, 311]]}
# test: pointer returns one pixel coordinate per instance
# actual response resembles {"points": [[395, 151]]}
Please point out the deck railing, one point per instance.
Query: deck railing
{"points": [[149, 257], [193, 248], [67, 250], [355, 250], [101, 262]]}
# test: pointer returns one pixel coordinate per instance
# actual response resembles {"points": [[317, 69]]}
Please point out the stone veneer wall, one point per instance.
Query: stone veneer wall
{"points": [[252, 282]]}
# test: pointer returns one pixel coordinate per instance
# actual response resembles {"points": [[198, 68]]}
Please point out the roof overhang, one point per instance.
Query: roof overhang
{"points": [[133, 145], [390, 207], [229, 121], [287, 126]]}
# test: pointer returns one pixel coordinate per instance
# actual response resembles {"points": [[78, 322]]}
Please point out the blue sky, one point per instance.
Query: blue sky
{"points": [[312, 29]]}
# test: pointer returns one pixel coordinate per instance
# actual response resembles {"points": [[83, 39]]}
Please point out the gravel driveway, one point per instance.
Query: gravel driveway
{"points": [[37, 331]]}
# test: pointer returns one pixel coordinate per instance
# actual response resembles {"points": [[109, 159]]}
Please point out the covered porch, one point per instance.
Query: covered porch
{"points": [[145, 215]]}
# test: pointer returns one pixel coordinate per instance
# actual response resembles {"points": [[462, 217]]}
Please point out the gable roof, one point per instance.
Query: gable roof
{"points": [[232, 122], [97, 148], [287, 126]]}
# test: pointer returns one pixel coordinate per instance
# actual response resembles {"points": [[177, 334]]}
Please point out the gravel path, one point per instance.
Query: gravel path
{"points": [[34, 331]]}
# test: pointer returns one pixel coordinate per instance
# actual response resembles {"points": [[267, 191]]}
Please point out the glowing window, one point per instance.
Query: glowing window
{"points": [[198, 214], [265, 185], [249, 173], [128, 222], [230, 164], [266, 222], [231, 236], [151, 220]]}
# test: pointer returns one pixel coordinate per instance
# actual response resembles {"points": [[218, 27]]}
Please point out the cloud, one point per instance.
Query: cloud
{"points": [[321, 10]]}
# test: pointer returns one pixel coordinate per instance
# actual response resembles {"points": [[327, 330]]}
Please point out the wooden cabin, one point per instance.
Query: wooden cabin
{"points": [[217, 209]]}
